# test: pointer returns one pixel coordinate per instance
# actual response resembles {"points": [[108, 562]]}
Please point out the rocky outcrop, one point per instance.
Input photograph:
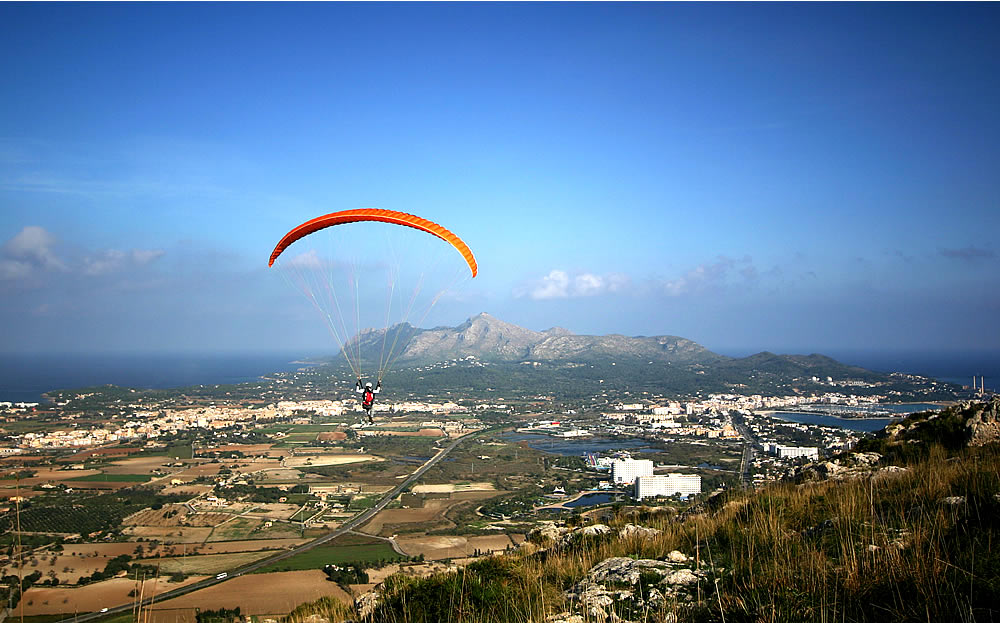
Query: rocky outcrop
{"points": [[854, 465], [615, 588], [984, 423], [547, 533], [632, 531]]}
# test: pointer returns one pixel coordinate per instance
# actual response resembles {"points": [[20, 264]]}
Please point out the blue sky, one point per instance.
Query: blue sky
{"points": [[790, 177]]}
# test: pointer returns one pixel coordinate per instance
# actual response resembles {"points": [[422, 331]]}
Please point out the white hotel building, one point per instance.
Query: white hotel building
{"points": [[792, 452], [625, 471], [667, 485]]}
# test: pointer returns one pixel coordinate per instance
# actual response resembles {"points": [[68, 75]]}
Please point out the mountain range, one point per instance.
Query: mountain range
{"points": [[490, 339]]}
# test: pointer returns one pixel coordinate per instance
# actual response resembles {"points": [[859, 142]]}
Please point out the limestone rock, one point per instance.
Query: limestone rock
{"points": [[595, 529], [889, 471], [681, 577], [984, 425], [633, 531], [626, 570], [547, 531]]}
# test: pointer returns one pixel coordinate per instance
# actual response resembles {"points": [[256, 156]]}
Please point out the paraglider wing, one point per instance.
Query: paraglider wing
{"points": [[374, 214]]}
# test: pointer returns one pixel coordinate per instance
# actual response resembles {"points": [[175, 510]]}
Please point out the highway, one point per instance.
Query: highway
{"points": [[355, 522]]}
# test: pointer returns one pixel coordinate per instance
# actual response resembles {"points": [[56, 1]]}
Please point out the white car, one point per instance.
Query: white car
{"points": [[222, 576]]}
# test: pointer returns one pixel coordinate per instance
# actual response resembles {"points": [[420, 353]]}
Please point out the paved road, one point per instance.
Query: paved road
{"points": [[355, 522]]}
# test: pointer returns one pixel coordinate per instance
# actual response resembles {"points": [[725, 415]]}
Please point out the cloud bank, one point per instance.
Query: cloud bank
{"points": [[35, 252]]}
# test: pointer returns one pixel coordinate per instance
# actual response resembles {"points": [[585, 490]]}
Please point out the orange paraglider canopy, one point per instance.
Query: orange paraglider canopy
{"points": [[375, 214]]}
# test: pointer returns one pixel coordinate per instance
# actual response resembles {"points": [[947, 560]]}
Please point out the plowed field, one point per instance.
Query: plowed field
{"points": [[266, 593]]}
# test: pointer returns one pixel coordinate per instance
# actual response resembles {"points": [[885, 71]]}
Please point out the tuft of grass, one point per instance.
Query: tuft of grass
{"points": [[329, 608]]}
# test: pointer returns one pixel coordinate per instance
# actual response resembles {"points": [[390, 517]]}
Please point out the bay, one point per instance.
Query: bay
{"points": [[24, 378], [861, 425]]}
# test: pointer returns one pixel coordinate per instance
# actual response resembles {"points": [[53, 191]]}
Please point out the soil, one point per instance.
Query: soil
{"points": [[168, 534], [265, 593], [472, 486], [139, 465], [329, 459], [442, 547], [188, 490], [239, 546], [91, 598]]}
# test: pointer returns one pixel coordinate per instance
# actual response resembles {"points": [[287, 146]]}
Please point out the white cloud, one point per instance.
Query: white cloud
{"points": [[29, 251], [33, 252], [114, 260], [33, 244], [560, 284]]}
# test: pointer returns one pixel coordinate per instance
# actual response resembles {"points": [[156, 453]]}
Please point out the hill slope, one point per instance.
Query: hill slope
{"points": [[903, 537]]}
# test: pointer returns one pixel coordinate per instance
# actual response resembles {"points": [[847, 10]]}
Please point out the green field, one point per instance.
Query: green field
{"points": [[180, 450], [113, 478], [324, 555], [235, 530], [41, 618]]}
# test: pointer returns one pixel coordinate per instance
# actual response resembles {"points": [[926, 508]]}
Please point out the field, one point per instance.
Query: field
{"points": [[442, 547], [247, 449], [270, 593], [90, 598], [318, 557], [51, 474], [239, 546], [76, 561], [168, 534], [328, 459], [112, 477], [452, 488], [139, 465], [280, 530], [274, 511], [190, 490], [235, 530], [209, 564], [67, 567], [432, 516]]}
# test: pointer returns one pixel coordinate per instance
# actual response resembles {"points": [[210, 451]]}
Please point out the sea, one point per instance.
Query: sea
{"points": [[951, 367], [24, 378]]}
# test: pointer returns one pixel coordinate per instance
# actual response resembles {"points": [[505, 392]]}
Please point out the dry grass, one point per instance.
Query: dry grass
{"points": [[872, 549]]}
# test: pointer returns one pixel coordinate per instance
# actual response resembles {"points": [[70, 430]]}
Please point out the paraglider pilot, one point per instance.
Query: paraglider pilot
{"points": [[368, 397]]}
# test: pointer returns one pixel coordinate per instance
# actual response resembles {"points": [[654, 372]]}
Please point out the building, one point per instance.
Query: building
{"points": [[625, 471], [792, 452], [667, 485]]}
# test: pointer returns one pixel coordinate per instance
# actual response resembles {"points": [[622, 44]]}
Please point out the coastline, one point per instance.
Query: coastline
{"points": [[771, 413]]}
